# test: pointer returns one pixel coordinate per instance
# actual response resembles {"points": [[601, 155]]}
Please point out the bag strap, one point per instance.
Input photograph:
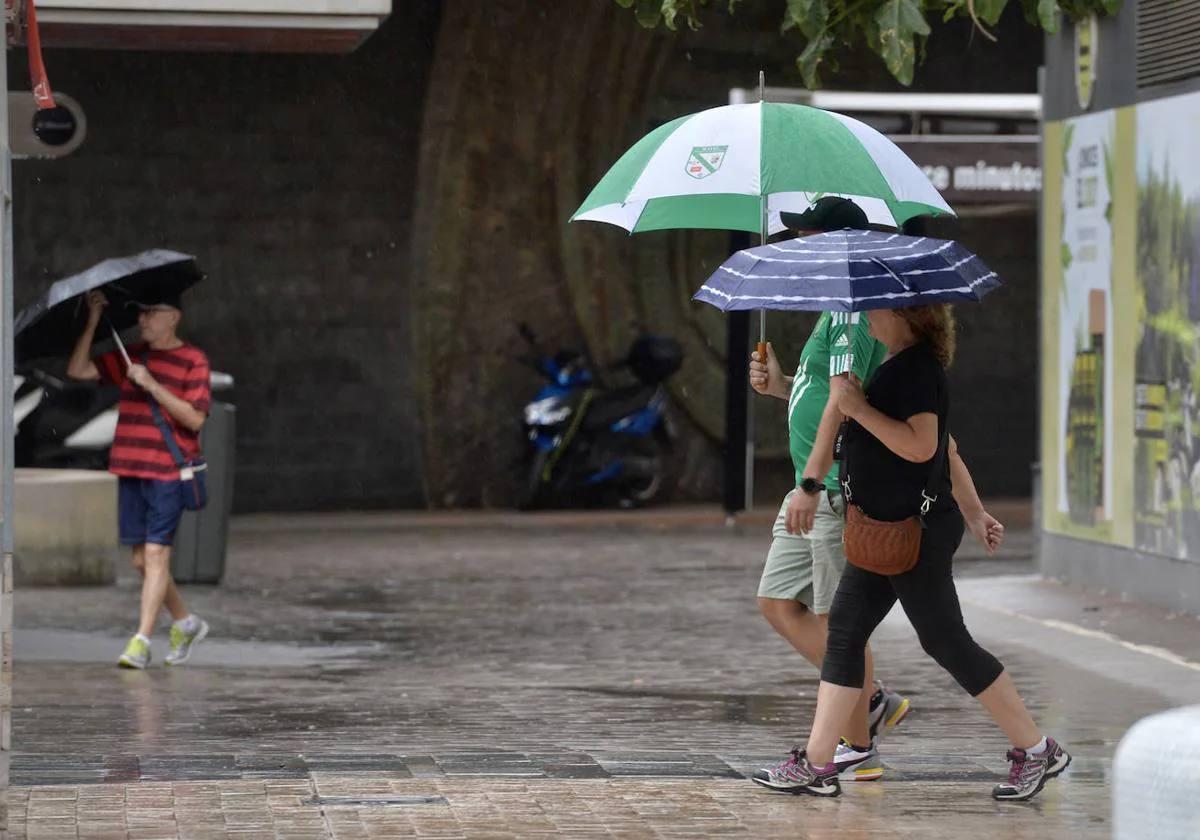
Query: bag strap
{"points": [[164, 429], [939, 461]]}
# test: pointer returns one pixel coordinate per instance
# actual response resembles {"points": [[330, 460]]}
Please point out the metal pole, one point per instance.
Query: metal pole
{"points": [[762, 323], [739, 442], [762, 219], [6, 448]]}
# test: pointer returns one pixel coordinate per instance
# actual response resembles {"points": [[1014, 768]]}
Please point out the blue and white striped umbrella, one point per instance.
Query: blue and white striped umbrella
{"points": [[849, 271]]}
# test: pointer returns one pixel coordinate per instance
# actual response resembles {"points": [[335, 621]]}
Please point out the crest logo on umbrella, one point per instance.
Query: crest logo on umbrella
{"points": [[705, 160]]}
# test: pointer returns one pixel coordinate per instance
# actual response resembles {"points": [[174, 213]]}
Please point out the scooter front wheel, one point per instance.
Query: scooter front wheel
{"points": [[649, 473]]}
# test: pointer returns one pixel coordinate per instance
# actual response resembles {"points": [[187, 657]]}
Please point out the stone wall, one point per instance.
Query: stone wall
{"points": [[292, 179]]}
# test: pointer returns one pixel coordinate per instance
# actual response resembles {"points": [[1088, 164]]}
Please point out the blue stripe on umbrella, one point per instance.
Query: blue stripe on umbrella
{"points": [[849, 271]]}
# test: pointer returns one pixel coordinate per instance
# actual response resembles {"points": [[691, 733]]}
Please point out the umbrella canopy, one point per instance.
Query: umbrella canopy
{"points": [[715, 168], [849, 271], [50, 325]]}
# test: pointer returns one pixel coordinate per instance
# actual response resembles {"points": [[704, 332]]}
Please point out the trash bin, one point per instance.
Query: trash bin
{"points": [[199, 553]]}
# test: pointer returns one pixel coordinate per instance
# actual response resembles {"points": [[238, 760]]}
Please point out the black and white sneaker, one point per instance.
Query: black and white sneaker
{"points": [[1029, 773], [888, 710], [797, 775]]}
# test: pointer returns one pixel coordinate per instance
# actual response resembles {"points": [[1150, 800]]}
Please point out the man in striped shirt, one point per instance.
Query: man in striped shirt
{"points": [[175, 375]]}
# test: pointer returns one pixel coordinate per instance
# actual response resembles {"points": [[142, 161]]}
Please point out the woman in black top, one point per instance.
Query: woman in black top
{"points": [[892, 438]]}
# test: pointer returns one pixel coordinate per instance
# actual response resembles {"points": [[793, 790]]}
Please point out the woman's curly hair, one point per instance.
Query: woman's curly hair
{"points": [[933, 324]]}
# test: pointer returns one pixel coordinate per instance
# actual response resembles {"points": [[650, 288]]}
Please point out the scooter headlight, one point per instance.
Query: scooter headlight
{"points": [[547, 412]]}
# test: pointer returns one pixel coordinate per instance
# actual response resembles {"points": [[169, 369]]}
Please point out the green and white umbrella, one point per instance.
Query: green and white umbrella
{"points": [[736, 167]]}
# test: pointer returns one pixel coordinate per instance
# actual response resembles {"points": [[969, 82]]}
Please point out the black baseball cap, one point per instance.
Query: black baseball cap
{"points": [[157, 301], [829, 213]]}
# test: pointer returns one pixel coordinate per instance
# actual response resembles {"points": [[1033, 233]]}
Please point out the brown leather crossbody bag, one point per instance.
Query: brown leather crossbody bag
{"points": [[889, 548]]}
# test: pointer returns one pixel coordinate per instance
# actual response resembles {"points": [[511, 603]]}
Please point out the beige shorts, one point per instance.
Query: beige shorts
{"points": [[806, 568]]}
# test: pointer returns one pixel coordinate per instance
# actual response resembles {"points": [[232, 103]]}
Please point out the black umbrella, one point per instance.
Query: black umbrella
{"points": [[50, 326]]}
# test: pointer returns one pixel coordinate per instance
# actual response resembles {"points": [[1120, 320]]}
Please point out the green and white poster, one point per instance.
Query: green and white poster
{"points": [[1085, 334], [1167, 390], [1088, 334]]}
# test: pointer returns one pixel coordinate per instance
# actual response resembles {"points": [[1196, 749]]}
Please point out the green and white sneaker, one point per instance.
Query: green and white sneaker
{"points": [[182, 641], [136, 655]]}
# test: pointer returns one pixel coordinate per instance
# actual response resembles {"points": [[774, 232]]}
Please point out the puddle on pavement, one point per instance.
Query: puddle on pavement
{"points": [[74, 646], [761, 709], [375, 802]]}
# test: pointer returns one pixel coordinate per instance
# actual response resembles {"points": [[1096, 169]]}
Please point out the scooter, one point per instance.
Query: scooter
{"points": [[588, 444], [63, 424]]}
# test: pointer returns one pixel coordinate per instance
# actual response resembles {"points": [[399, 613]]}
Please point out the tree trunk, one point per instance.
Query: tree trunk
{"points": [[528, 105]]}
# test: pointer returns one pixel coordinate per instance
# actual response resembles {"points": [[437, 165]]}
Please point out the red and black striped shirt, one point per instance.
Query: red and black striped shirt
{"points": [[138, 450]]}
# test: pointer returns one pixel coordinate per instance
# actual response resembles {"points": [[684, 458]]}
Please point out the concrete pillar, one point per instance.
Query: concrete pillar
{"points": [[1156, 774], [65, 527]]}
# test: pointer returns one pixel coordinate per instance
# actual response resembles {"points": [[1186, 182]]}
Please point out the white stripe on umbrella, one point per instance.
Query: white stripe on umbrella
{"points": [[952, 268], [894, 165], [847, 260], [842, 299], [622, 215], [738, 128]]}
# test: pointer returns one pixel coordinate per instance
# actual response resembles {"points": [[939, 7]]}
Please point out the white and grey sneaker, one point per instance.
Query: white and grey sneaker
{"points": [[856, 764], [184, 639], [1029, 773], [888, 710]]}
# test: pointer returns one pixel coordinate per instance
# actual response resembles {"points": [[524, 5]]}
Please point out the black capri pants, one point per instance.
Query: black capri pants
{"points": [[930, 600]]}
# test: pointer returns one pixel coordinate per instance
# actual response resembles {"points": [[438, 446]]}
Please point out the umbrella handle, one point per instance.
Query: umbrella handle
{"points": [[761, 347], [120, 344]]}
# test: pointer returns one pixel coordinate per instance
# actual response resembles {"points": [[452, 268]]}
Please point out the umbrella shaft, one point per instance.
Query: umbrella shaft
{"points": [[120, 344], [762, 240]]}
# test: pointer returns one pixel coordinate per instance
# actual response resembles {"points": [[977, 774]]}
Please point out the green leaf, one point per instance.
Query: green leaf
{"points": [[1066, 256], [670, 10], [649, 13], [1048, 15], [809, 16], [870, 28], [989, 11], [899, 21], [1029, 10], [809, 62]]}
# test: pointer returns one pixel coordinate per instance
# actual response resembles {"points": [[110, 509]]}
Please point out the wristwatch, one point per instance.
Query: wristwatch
{"points": [[812, 486]]}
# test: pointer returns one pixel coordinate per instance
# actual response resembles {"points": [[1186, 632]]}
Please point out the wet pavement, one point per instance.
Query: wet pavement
{"points": [[500, 676]]}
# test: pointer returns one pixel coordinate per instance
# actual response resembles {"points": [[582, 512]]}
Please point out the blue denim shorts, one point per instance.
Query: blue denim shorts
{"points": [[148, 511]]}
